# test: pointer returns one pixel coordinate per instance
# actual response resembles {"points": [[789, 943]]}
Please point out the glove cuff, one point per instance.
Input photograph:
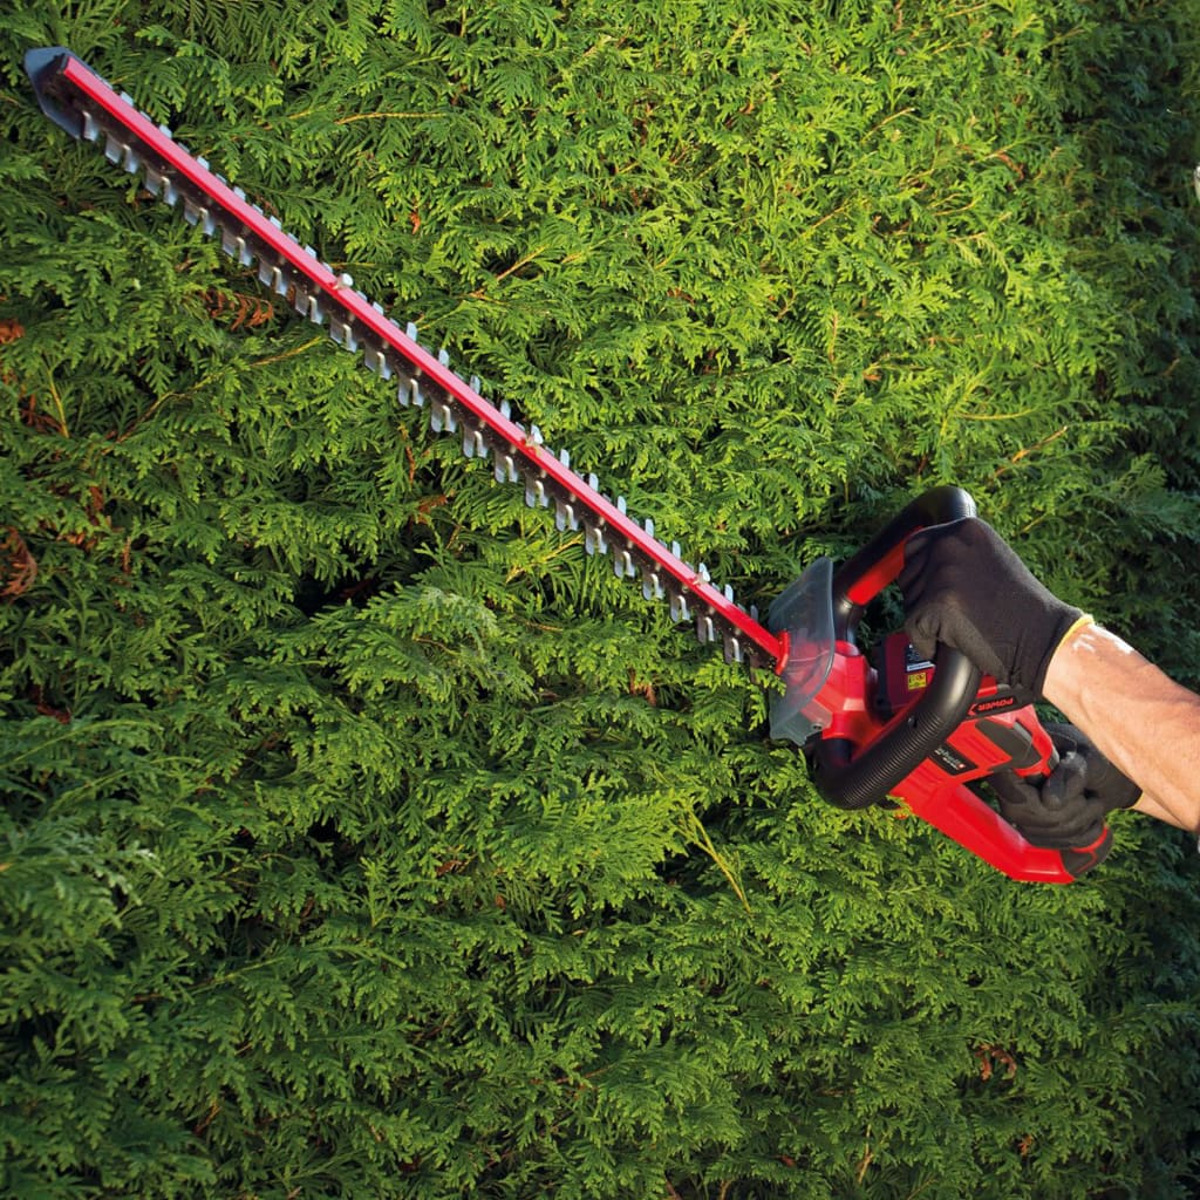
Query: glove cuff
{"points": [[1072, 623], [1081, 622]]}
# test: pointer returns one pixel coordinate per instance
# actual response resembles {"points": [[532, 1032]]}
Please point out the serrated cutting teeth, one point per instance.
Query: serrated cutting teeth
{"points": [[505, 469], [234, 244], [474, 445], [78, 100], [342, 332], [566, 506], [441, 416], [594, 540], [376, 360], [566, 515], [301, 300], [535, 491], [733, 648], [270, 276], [340, 329], [415, 396], [652, 585], [474, 440]]}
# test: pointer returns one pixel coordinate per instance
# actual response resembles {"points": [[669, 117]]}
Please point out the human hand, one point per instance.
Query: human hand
{"points": [[1066, 809], [964, 586]]}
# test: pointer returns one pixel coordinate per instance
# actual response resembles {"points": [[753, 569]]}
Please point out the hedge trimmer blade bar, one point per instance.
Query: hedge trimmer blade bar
{"points": [[78, 100]]}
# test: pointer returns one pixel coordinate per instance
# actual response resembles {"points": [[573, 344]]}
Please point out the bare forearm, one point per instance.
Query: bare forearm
{"points": [[1152, 808], [1142, 721]]}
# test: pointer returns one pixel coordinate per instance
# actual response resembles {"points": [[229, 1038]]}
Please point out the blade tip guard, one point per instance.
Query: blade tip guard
{"points": [[41, 65]]}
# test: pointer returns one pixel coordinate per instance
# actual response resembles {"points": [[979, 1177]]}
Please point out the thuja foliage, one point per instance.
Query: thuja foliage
{"points": [[362, 837]]}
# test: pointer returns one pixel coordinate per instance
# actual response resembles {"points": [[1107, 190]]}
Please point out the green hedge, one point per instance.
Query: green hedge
{"points": [[364, 838]]}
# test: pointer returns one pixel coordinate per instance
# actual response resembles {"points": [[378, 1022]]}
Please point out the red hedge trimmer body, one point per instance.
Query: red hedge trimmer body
{"points": [[921, 733]]}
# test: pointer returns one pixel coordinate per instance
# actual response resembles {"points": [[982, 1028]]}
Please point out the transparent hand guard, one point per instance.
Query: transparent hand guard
{"points": [[804, 611]]}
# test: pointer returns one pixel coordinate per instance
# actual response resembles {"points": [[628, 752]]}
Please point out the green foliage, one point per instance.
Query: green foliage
{"points": [[362, 837]]}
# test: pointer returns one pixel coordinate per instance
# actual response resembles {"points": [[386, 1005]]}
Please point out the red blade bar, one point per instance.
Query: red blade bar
{"points": [[367, 317]]}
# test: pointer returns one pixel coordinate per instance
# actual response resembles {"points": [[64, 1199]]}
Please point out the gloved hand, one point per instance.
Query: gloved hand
{"points": [[964, 586], [1067, 809]]}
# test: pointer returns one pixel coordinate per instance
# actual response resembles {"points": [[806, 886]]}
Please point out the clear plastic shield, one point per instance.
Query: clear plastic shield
{"points": [[804, 611]]}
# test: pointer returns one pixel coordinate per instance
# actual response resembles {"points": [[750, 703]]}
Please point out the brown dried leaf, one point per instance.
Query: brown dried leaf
{"points": [[18, 569]]}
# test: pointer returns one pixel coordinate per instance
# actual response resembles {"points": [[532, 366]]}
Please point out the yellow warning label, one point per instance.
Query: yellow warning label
{"points": [[918, 680]]}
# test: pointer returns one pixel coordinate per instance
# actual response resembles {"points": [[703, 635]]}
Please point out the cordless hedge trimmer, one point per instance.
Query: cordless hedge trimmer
{"points": [[920, 732]]}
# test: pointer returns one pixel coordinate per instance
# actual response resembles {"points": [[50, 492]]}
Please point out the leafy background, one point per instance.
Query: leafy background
{"points": [[362, 836]]}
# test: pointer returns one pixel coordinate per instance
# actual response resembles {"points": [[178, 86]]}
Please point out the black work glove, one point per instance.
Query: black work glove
{"points": [[1066, 810], [964, 586]]}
